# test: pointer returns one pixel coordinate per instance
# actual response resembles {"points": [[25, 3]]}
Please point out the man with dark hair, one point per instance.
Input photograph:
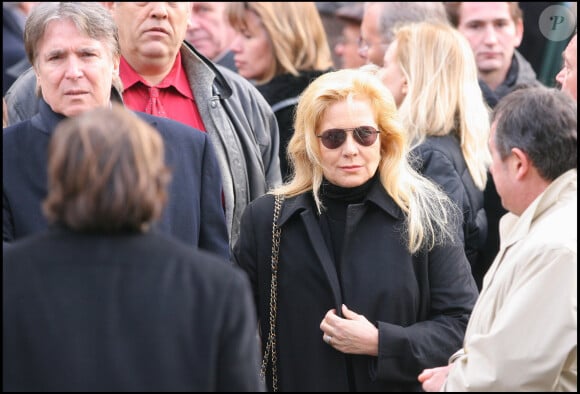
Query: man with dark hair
{"points": [[522, 334]]}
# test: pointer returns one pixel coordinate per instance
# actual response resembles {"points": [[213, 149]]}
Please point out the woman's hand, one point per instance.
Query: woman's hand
{"points": [[353, 334]]}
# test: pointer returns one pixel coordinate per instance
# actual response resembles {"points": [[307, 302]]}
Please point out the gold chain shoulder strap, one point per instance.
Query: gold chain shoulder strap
{"points": [[270, 352]]}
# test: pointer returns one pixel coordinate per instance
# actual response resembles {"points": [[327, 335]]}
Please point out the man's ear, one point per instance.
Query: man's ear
{"points": [[116, 64], [519, 33], [521, 163]]}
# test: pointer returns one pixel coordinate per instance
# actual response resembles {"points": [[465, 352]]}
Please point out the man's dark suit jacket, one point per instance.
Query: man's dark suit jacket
{"points": [[126, 312], [194, 211]]}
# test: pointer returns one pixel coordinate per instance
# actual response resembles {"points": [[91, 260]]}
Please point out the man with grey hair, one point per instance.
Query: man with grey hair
{"points": [[380, 19]]}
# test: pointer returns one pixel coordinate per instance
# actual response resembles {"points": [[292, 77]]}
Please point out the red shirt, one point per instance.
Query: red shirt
{"points": [[174, 93]]}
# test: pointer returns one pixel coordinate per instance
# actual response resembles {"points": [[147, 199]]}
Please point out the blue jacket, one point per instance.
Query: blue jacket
{"points": [[194, 211]]}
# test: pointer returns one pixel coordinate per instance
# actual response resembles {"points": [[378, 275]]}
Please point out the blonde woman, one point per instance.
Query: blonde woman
{"points": [[371, 281], [431, 72], [281, 47]]}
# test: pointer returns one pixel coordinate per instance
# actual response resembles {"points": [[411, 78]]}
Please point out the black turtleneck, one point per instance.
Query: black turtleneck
{"points": [[336, 200]]}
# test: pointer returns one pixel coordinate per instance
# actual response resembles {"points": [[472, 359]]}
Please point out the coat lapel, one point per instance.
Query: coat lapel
{"points": [[305, 206]]}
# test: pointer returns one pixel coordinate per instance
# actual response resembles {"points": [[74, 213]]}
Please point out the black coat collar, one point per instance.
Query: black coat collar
{"points": [[377, 196], [46, 119]]}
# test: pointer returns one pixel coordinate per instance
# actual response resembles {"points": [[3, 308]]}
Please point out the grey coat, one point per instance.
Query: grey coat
{"points": [[239, 121]]}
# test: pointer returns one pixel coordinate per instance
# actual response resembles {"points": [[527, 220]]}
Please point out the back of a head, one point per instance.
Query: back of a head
{"points": [[542, 122], [106, 173], [298, 38], [440, 70], [441, 75]]}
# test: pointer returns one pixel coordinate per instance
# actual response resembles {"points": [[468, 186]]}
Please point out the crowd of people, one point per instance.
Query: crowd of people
{"points": [[244, 196]]}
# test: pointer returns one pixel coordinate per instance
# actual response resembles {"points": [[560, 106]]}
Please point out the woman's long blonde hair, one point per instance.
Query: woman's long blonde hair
{"points": [[430, 216], [443, 94]]}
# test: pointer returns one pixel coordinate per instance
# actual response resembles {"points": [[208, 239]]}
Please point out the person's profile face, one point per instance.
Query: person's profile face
{"points": [[500, 171], [74, 71], [568, 75], [252, 48], [392, 75]]}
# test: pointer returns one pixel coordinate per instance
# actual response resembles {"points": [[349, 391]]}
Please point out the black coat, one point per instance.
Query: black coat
{"points": [[441, 160], [130, 312], [194, 212], [421, 303]]}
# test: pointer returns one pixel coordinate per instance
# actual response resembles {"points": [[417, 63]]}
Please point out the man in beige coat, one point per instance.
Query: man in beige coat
{"points": [[522, 334]]}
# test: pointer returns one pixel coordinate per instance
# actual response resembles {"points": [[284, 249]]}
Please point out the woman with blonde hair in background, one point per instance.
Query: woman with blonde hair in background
{"points": [[363, 279], [281, 47], [431, 71]]}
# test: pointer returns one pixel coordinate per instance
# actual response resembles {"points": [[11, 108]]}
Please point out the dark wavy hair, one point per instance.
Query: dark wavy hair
{"points": [[106, 173]]}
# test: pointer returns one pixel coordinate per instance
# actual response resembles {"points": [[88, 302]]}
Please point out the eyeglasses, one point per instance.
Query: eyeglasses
{"points": [[363, 135], [363, 46]]}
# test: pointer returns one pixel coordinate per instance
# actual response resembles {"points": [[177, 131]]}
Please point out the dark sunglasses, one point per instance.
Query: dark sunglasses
{"points": [[363, 135]]}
